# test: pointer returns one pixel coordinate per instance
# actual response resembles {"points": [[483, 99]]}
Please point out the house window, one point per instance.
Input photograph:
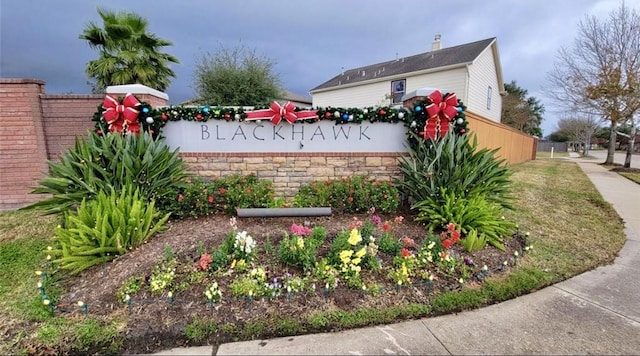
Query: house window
{"points": [[489, 98], [397, 91]]}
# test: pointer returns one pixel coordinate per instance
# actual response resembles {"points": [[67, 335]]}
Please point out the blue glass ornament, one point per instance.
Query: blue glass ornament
{"points": [[345, 117], [205, 109], [145, 110], [418, 108], [459, 108]]}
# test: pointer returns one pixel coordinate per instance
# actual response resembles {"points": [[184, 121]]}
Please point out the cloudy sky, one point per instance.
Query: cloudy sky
{"points": [[310, 40]]}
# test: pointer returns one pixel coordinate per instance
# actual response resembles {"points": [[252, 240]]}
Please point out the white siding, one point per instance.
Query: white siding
{"points": [[450, 80], [373, 94], [356, 96], [482, 75]]}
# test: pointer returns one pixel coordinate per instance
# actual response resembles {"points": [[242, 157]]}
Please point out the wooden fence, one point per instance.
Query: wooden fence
{"points": [[514, 146]]}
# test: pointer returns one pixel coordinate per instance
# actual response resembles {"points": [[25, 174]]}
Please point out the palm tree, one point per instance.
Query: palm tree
{"points": [[128, 53]]}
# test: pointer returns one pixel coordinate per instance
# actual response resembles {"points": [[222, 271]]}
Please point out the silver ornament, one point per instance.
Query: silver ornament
{"points": [[149, 120], [236, 116], [400, 115], [336, 114], [459, 121]]}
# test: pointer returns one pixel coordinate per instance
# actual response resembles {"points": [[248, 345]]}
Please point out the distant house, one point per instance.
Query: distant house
{"points": [[471, 70]]}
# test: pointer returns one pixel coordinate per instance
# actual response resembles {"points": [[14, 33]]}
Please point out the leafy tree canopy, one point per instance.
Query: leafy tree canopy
{"points": [[236, 76], [522, 112]]}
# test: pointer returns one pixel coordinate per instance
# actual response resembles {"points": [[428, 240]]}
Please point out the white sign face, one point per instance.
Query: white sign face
{"points": [[264, 136]]}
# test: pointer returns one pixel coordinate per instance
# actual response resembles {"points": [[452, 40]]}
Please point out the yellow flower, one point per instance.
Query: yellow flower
{"points": [[300, 243], [354, 237], [356, 260], [233, 263], [46, 302], [39, 273], [345, 256], [361, 252], [80, 304]]}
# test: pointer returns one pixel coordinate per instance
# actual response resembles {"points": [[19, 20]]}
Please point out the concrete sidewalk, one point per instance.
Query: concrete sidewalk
{"points": [[597, 312]]}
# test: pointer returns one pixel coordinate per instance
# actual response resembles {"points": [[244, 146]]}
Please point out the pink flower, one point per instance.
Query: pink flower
{"points": [[405, 253], [408, 242], [300, 230], [180, 198], [205, 261]]}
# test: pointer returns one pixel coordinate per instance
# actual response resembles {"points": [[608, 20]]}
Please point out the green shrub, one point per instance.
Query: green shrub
{"points": [[297, 251], [474, 241], [350, 195], [467, 213], [104, 228], [112, 161], [389, 245], [220, 195], [454, 163]]}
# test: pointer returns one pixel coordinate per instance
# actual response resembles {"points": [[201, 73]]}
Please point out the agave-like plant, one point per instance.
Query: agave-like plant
{"points": [[100, 163], [454, 163]]}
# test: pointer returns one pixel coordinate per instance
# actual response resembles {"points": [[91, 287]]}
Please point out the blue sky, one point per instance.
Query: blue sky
{"points": [[310, 41]]}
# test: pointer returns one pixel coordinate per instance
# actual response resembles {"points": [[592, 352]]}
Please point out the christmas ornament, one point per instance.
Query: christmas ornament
{"points": [[149, 120], [459, 121], [400, 115], [145, 110], [418, 108], [236, 116], [345, 117], [205, 109], [440, 111], [336, 114]]}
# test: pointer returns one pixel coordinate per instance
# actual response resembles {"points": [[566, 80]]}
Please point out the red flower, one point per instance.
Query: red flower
{"points": [[447, 243], [405, 253], [350, 199], [222, 190], [451, 227], [210, 199], [386, 226], [180, 198], [455, 235], [248, 190]]}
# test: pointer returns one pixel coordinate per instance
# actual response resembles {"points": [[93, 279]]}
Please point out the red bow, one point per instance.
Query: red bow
{"points": [[439, 112], [275, 113], [121, 117]]}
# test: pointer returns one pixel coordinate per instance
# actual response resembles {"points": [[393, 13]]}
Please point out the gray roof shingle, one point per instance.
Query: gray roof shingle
{"points": [[429, 60]]}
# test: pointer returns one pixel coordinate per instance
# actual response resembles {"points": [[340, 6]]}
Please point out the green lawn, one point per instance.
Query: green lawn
{"points": [[633, 176]]}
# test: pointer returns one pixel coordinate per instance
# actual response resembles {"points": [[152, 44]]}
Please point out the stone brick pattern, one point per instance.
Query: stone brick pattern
{"points": [[289, 171]]}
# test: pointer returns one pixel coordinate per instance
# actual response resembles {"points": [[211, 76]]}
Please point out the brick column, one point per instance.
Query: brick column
{"points": [[154, 97], [23, 149]]}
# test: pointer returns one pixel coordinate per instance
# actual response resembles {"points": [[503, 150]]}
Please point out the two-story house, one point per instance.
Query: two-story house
{"points": [[471, 70]]}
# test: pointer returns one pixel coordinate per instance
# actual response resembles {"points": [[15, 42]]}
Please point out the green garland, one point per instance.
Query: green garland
{"points": [[415, 118]]}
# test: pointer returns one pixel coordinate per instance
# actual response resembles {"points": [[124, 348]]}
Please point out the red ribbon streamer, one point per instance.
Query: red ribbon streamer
{"points": [[275, 113], [439, 113], [121, 116]]}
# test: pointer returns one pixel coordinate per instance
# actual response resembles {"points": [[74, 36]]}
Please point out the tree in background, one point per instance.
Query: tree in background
{"points": [[579, 130], [601, 72], [128, 53], [521, 112], [236, 76]]}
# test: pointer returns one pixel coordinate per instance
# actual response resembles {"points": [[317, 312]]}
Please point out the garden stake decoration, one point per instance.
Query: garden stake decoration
{"points": [[326, 292], [83, 307], [250, 297], [127, 299], [170, 298], [41, 289]]}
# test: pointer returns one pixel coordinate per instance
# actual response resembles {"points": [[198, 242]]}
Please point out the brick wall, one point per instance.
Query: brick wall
{"points": [[35, 127], [289, 171], [22, 152], [65, 117]]}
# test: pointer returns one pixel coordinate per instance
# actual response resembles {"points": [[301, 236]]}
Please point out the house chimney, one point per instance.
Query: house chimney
{"points": [[436, 45]]}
